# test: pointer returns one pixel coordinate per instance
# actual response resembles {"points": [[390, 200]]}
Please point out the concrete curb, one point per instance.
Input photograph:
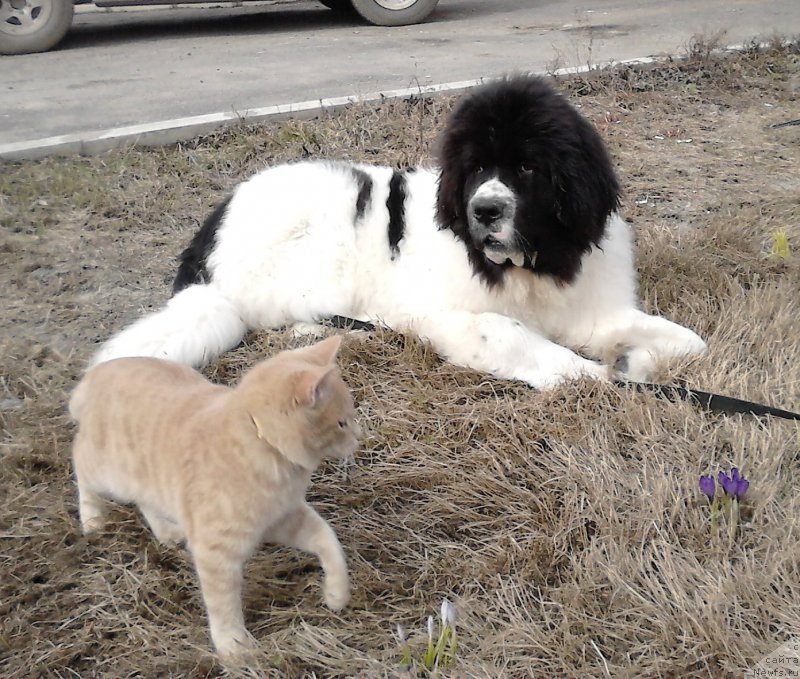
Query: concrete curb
{"points": [[178, 129]]}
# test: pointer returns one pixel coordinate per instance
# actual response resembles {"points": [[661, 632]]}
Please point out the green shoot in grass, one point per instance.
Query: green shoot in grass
{"points": [[780, 245], [440, 650]]}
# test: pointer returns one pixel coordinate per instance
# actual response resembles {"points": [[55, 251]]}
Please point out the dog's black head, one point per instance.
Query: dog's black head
{"points": [[525, 180]]}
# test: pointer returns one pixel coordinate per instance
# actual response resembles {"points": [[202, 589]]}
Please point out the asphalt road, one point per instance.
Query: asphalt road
{"points": [[123, 68]]}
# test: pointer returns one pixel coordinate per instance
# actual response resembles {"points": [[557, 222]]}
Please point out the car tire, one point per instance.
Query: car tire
{"points": [[394, 12], [33, 25]]}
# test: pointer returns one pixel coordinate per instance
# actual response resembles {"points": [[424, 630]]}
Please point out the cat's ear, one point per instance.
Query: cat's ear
{"points": [[326, 350], [313, 385]]}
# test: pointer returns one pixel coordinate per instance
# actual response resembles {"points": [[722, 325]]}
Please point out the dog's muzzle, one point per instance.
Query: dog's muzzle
{"points": [[490, 216]]}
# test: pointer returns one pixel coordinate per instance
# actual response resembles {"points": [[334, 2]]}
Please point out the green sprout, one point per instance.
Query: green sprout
{"points": [[780, 245], [441, 648], [405, 651]]}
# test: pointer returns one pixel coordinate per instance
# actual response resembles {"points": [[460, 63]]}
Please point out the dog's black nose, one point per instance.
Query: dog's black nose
{"points": [[487, 212]]}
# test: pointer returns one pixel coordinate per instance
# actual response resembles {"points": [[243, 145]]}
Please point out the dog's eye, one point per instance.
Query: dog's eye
{"points": [[526, 169], [342, 424], [477, 169]]}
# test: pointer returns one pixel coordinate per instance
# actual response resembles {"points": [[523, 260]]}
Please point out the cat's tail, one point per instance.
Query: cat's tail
{"points": [[197, 324]]}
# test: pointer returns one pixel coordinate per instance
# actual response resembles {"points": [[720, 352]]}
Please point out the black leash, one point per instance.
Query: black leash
{"points": [[715, 403], [787, 123]]}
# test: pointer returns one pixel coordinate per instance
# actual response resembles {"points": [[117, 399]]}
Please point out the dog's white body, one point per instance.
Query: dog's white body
{"points": [[292, 249]]}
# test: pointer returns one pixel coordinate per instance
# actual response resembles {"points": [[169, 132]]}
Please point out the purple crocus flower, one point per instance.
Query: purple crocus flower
{"points": [[708, 487], [734, 486]]}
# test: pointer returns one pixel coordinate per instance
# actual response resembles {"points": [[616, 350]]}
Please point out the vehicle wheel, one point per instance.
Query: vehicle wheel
{"points": [[394, 12], [33, 25]]}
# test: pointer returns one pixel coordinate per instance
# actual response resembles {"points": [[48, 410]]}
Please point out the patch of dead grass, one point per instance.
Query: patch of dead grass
{"points": [[567, 526]]}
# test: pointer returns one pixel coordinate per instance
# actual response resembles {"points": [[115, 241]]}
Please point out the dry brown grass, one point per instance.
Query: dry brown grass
{"points": [[567, 526]]}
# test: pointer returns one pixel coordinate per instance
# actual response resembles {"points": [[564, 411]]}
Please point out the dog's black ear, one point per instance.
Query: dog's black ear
{"points": [[450, 192], [585, 185]]}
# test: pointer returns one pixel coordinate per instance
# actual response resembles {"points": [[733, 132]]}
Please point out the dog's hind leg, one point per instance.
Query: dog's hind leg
{"points": [[197, 325]]}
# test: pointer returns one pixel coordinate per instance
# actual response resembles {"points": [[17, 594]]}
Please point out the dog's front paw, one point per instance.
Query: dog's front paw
{"points": [[573, 369], [640, 363], [634, 365], [302, 329]]}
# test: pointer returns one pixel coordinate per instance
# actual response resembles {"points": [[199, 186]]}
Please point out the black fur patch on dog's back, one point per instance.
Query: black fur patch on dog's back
{"points": [[396, 204], [364, 182], [194, 258], [520, 130]]}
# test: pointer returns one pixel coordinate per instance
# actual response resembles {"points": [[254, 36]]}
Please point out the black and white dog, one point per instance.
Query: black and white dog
{"points": [[510, 258]]}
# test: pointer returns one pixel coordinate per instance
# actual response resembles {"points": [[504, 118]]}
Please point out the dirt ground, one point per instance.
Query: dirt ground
{"points": [[566, 527]]}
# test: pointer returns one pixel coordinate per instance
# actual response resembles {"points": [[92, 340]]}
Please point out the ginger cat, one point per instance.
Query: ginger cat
{"points": [[220, 468]]}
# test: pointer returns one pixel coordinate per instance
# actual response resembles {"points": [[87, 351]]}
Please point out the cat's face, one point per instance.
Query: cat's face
{"points": [[301, 403], [323, 401], [332, 427]]}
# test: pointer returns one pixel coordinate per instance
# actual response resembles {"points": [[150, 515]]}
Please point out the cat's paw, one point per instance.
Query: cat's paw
{"points": [[92, 525], [337, 593], [234, 644], [92, 510]]}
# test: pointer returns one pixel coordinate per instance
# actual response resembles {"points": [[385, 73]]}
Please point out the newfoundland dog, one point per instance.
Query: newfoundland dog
{"points": [[510, 258]]}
